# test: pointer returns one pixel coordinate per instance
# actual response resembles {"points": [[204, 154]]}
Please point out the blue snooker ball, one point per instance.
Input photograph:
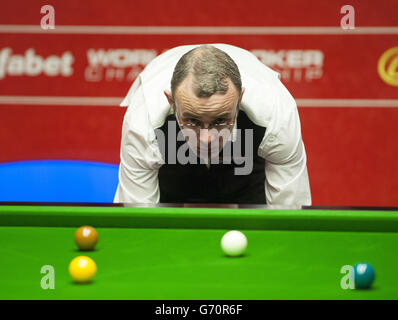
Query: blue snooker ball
{"points": [[364, 275]]}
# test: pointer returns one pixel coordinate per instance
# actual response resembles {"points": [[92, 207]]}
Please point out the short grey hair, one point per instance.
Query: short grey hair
{"points": [[210, 68]]}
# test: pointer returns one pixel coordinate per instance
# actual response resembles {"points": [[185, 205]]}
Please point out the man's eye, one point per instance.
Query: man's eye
{"points": [[193, 121], [220, 121]]}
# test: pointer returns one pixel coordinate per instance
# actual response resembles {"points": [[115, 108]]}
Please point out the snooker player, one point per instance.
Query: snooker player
{"points": [[230, 113]]}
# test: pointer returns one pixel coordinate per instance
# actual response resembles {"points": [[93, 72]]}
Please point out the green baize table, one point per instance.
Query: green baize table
{"points": [[172, 252]]}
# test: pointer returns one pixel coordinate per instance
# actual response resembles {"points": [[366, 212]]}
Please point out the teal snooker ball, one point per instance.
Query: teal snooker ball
{"points": [[364, 275]]}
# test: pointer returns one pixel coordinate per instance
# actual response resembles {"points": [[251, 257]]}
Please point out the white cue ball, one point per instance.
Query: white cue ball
{"points": [[234, 243]]}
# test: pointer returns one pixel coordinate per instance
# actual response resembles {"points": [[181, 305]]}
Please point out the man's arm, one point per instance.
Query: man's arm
{"points": [[286, 172], [137, 182], [287, 182], [140, 158]]}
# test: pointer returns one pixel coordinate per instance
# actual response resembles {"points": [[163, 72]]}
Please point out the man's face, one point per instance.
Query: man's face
{"points": [[206, 116]]}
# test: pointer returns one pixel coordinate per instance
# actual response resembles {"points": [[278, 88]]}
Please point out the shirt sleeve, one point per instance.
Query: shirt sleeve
{"points": [[140, 158], [286, 175]]}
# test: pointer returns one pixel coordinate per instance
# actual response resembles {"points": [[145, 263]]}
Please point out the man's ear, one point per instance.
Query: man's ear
{"points": [[240, 98], [169, 98], [241, 95]]}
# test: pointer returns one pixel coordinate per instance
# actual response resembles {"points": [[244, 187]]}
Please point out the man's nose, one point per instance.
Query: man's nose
{"points": [[207, 136]]}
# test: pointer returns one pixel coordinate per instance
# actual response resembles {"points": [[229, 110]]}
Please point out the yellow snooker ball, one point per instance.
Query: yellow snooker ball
{"points": [[82, 269]]}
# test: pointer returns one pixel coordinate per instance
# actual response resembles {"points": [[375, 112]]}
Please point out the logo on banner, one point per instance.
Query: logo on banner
{"points": [[293, 65], [116, 64], [387, 66], [31, 64]]}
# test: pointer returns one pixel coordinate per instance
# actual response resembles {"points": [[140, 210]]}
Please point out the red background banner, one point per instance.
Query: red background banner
{"points": [[60, 89]]}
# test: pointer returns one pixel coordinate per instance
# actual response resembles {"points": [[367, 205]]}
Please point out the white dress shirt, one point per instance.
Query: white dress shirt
{"points": [[265, 101]]}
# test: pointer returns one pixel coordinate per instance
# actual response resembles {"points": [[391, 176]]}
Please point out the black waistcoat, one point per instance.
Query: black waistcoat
{"points": [[196, 183]]}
